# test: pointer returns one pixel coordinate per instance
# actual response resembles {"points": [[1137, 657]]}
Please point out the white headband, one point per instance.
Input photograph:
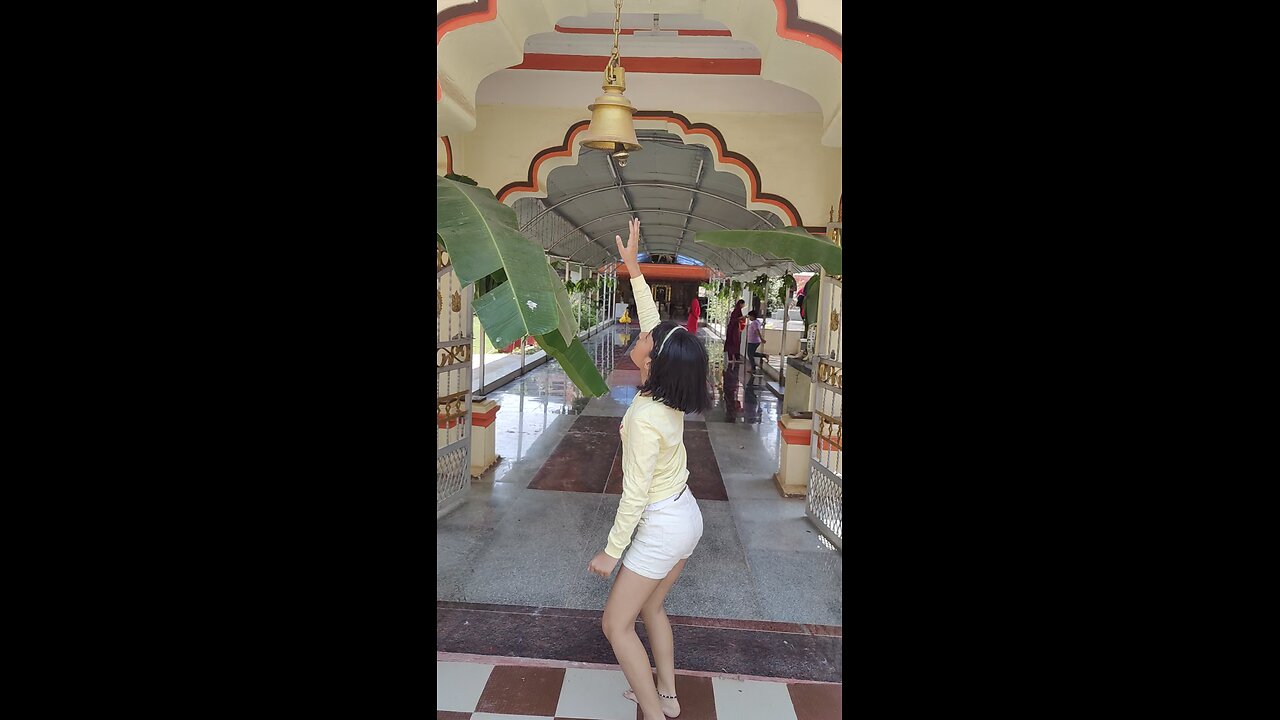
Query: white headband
{"points": [[668, 337]]}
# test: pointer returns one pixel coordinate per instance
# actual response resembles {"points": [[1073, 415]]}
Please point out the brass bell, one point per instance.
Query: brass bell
{"points": [[611, 127]]}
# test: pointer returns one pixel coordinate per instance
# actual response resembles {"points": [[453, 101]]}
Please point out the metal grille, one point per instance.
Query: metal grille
{"points": [[826, 448], [824, 504], [453, 386], [453, 477]]}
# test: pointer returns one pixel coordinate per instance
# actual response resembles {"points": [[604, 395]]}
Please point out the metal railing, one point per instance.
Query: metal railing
{"points": [[453, 386]]}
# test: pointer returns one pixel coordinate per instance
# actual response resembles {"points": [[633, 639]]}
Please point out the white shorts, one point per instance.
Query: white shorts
{"points": [[669, 530]]}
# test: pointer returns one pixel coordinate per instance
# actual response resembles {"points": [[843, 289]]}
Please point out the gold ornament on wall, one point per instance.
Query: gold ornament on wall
{"points": [[835, 321], [456, 302], [439, 304]]}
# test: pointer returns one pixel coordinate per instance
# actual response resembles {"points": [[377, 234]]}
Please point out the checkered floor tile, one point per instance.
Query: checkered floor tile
{"points": [[481, 691]]}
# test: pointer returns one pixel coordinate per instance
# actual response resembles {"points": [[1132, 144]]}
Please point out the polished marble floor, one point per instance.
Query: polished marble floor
{"points": [[529, 526]]}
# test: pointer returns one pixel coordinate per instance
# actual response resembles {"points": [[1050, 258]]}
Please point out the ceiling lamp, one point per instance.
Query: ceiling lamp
{"points": [[611, 127]]}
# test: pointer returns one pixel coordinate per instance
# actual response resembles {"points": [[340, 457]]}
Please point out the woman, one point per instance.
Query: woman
{"points": [[755, 339], [733, 332], [695, 311], [655, 497]]}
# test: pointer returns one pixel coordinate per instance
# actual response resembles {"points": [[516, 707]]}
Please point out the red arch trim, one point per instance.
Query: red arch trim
{"points": [[723, 154], [448, 155], [460, 16], [792, 27]]}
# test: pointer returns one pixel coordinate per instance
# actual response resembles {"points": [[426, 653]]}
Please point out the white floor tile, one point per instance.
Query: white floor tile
{"points": [[497, 716], [458, 685], [752, 700], [595, 694]]}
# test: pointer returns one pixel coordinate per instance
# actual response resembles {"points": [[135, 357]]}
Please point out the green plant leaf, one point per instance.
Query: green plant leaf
{"points": [[563, 345], [564, 308], [793, 243], [502, 323], [575, 362], [482, 238]]}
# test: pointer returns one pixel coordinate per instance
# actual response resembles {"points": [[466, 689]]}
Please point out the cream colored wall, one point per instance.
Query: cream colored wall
{"points": [[442, 159], [786, 148], [468, 55], [823, 12], [836, 182], [505, 140]]}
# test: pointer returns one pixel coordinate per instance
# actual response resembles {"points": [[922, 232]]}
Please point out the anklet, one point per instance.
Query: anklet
{"points": [[669, 697]]}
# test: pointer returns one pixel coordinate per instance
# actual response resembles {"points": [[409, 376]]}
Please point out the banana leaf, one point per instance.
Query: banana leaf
{"points": [[568, 324], [793, 243], [482, 238], [575, 362], [514, 298], [563, 345]]}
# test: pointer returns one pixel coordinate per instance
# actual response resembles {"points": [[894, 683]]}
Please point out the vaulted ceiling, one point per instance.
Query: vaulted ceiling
{"points": [[671, 187]]}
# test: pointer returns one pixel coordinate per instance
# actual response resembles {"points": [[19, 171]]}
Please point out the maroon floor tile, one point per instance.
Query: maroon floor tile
{"points": [[578, 639], [622, 361], [763, 625], [593, 425], [451, 715], [623, 378], [614, 484], [524, 609], [518, 690], [816, 702], [568, 612], [581, 462], [704, 472], [705, 480], [697, 699], [826, 630]]}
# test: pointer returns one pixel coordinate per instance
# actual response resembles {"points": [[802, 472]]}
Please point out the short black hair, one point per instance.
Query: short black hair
{"points": [[753, 314], [678, 374], [741, 302]]}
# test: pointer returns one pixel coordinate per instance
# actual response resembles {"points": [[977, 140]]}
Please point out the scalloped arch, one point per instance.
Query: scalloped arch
{"points": [[704, 134]]}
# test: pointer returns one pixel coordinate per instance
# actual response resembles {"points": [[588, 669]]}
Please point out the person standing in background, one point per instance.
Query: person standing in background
{"points": [[695, 311], [754, 340], [733, 332]]}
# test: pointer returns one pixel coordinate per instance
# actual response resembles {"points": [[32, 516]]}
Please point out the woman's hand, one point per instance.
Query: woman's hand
{"points": [[631, 250], [603, 563]]}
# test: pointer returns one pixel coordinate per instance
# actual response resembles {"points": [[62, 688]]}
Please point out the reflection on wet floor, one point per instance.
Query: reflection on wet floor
{"points": [[531, 404], [755, 542]]}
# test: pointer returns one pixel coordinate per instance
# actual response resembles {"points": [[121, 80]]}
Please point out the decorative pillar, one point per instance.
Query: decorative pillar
{"points": [[792, 477], [483, 414]]}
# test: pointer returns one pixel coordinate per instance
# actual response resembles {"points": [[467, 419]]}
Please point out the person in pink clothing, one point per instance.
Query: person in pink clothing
{"points": [[754, 339], [695, 311]]}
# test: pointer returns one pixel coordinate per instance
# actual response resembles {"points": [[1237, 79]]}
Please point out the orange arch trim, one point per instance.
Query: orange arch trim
{"points": [[789, 22], [722, 152], [484, 11]]}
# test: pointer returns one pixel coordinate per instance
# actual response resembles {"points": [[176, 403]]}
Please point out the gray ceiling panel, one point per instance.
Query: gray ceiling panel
{"points": [[593, 200]]}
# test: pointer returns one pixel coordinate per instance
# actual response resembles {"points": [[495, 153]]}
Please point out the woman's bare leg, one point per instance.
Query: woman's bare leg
{"points": [[658, 627], [629, 593]]}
